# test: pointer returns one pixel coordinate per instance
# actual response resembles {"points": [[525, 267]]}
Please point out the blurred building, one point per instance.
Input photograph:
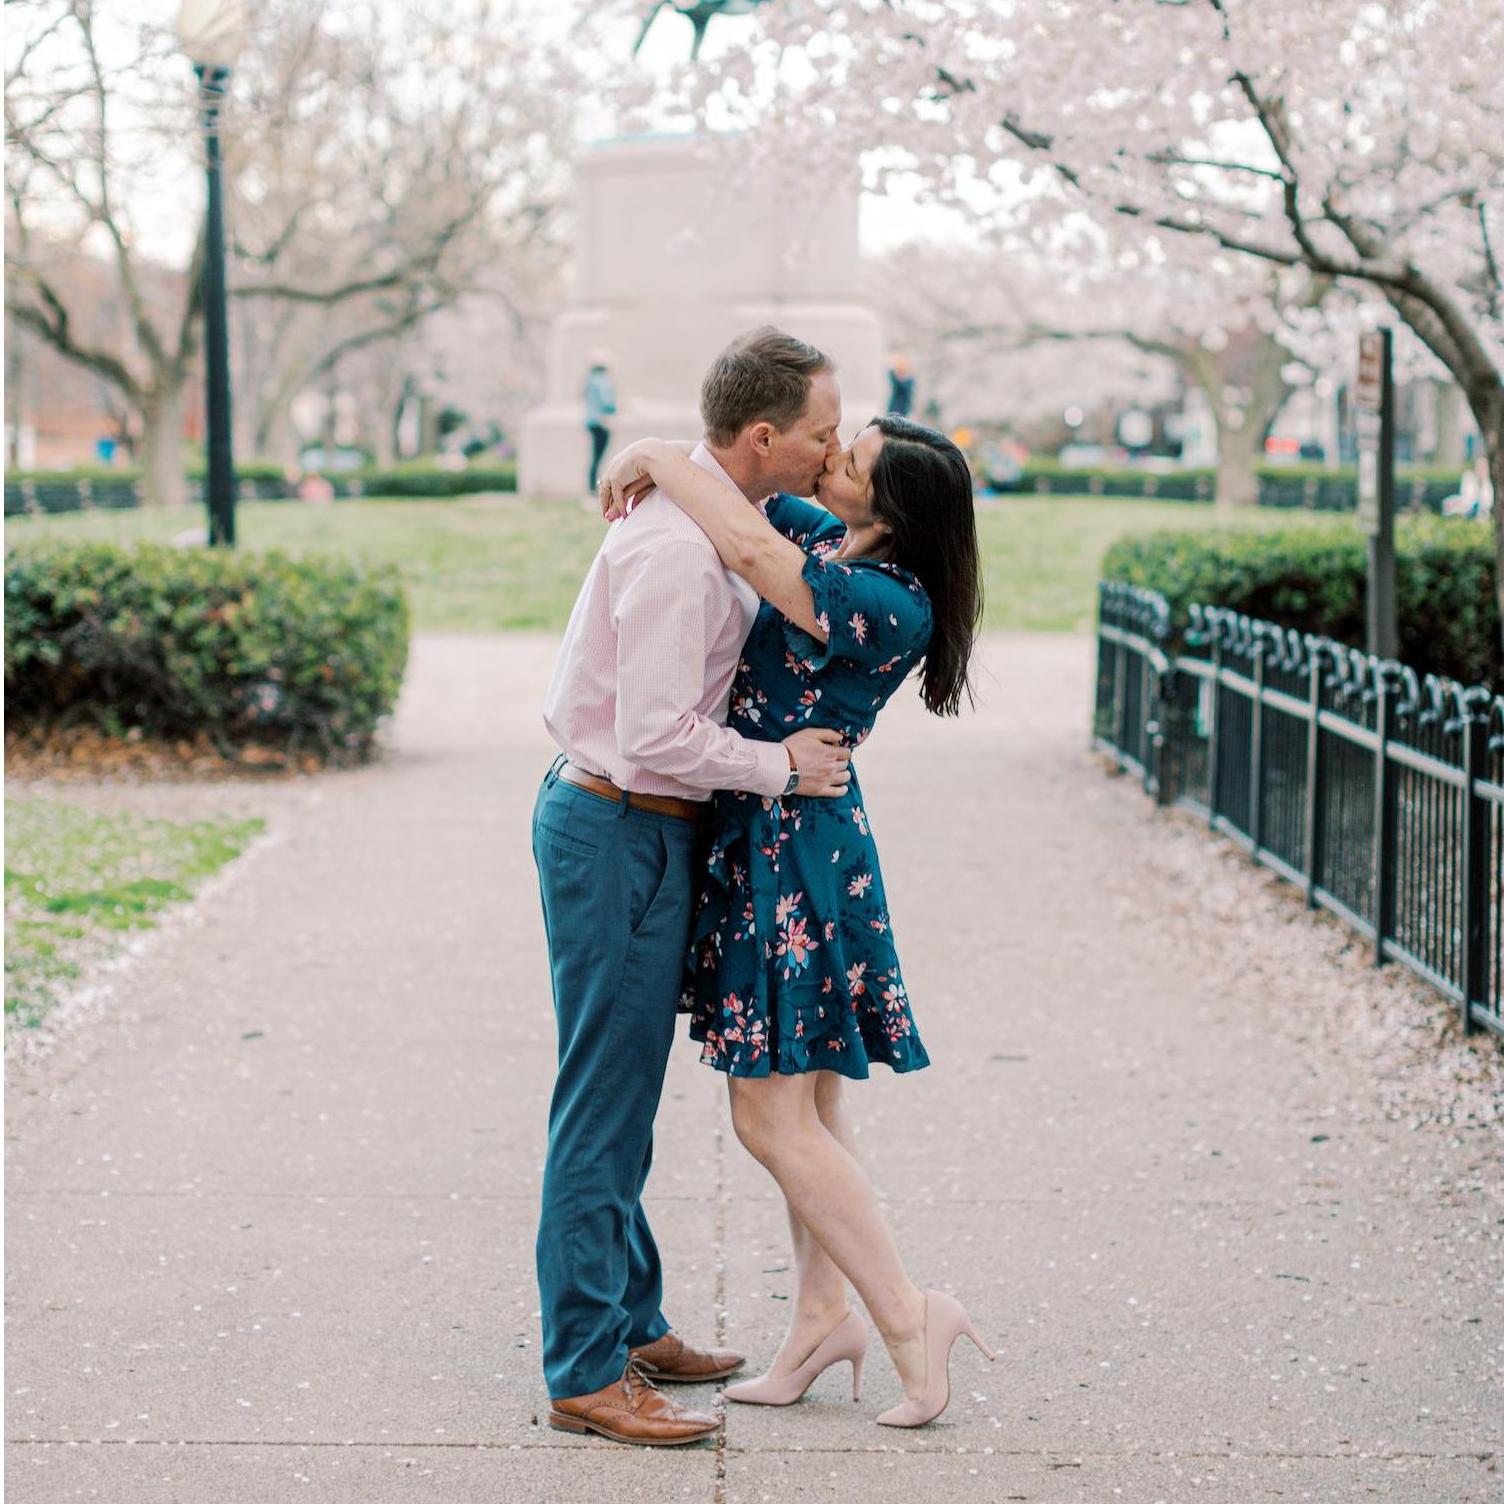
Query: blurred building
{"points": [[674, 258]]}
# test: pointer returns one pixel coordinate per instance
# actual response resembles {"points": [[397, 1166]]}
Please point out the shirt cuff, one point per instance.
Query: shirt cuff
{"points": [[771, 775]]}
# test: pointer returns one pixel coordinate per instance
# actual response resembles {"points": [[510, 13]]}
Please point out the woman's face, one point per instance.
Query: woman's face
{"points": [[845, 485]]}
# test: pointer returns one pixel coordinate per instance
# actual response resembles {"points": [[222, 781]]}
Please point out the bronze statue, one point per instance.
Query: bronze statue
{"points": [[699, 14]]}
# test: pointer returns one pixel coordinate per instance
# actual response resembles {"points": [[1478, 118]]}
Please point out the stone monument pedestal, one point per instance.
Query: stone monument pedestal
{"points": [[679, 252]]}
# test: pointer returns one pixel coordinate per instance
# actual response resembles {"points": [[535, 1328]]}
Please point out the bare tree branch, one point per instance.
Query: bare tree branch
{"points": [[146, 330], [190, 324], [409, 319], [422, 263], [52, 323]]}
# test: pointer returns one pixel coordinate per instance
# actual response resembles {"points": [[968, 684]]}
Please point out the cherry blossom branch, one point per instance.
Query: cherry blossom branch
{"points": [[1427, 308], [1308, 255], [1490, 263], [1172, 158], [1012, 337]]}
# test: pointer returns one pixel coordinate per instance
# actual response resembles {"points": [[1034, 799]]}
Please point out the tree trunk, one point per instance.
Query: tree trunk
{"points": [[1238, 453], [162, 474], [390, 452], [1240, 432], [1493, 437], [276, 437], [1450, 439], [14, 413], [1485, 398]]}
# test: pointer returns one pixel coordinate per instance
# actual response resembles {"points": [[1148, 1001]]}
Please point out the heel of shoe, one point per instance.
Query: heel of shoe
{"points": [[945, 1319], [567, 1423], [845, 1342], [981, 1346]]}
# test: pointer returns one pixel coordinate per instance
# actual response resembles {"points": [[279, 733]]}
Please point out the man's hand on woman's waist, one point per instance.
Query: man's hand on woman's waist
{"points": [[822, 761]]}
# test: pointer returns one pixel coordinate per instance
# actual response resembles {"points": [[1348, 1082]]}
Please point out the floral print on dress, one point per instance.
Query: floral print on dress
{"points": [[793, 966]]}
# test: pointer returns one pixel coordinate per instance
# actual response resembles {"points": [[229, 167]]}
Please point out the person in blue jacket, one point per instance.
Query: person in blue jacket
{"points": [[600, 407]]}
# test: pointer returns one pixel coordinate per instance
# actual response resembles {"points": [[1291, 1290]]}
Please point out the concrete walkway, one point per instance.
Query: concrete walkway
{"points": [[1228, 1202]]}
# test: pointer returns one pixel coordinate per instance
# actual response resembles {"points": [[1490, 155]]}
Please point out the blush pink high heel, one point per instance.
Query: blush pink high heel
{"points": [[945, 1319], [847, 1342]]}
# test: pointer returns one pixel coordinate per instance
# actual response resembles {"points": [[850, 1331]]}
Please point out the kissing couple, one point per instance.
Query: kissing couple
{"points": [[702, 846]]}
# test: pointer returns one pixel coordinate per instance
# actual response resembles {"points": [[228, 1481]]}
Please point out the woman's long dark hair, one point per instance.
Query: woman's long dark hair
{"points": [[921, 488]]}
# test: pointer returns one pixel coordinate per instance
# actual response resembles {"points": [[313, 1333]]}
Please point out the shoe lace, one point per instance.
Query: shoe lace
{"points": [[635, 1376]]}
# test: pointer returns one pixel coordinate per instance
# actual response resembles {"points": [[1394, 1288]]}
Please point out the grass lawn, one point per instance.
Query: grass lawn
{"points": [[484, 565], [76, 881]]}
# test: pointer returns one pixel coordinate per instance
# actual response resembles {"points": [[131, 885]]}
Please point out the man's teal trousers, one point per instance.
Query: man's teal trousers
{"points": [[616, 887]]}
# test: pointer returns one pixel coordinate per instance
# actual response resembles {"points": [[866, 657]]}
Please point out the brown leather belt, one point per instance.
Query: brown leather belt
{"points": [[655, 804]]}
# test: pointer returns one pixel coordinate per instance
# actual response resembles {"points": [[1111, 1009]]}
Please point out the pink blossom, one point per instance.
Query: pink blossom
{"points": [[796, 943]]}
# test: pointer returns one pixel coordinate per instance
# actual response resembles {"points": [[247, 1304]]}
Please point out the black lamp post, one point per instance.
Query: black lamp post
{"points": [[211, 32]]}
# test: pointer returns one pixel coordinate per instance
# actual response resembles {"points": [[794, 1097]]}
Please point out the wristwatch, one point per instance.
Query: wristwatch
{"points": [[793, 782]]}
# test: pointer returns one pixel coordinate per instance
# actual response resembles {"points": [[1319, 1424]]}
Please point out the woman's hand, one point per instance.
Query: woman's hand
{"points": [[627, 477]]}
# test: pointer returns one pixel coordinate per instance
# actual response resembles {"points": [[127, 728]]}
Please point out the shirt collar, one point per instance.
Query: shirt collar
{"points": [[702, 456]]}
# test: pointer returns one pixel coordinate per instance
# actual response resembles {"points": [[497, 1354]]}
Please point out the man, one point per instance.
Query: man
{"points": [[637, 706]]}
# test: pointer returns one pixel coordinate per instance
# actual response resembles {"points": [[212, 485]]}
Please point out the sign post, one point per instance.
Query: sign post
{"points": [[1374, 399]]}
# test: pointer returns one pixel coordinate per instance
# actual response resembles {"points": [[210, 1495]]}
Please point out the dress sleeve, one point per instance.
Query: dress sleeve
{"points": [[877, 618], [803, 522]]}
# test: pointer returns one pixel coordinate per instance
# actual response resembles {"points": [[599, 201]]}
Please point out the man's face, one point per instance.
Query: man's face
{"points": [[797, 456]]}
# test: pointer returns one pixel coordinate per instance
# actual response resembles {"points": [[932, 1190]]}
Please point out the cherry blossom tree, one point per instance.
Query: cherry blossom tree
{"points": [[1242, 338], [968, 342], [1356, 140]]}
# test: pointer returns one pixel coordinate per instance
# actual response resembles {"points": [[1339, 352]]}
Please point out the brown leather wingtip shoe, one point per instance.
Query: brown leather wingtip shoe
{"points": [[671, 1360], [635, 1412]]}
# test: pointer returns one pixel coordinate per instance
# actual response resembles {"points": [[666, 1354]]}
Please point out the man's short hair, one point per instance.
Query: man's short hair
{"points": [[761, 376]]}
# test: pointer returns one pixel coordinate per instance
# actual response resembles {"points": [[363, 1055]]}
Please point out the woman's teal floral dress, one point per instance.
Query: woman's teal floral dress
{"points": [[792, 967]]}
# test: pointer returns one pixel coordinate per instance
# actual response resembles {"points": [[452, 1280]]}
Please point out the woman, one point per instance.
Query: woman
{"points": [[793, 981]]}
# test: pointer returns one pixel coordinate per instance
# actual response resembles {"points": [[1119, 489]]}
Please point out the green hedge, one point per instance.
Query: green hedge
{"points": [[1309, 486], [1047, 476], [298, 654], [33, 491], [1315, 581], [129, 475], [429, 480]]}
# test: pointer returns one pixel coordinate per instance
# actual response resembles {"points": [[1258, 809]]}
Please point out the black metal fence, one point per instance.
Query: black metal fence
{"points": [[29, 497], [1377, 791]]}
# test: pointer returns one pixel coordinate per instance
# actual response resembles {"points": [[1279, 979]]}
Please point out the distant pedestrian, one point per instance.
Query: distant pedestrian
{"points": [[900, 387], [600, 408], [1474, 496]]}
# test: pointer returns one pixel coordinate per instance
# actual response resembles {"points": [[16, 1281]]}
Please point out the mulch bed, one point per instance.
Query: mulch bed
{"points": [[86, 753]]}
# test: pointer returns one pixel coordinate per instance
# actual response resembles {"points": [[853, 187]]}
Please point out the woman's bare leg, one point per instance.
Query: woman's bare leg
{"points": [[777, 1119], [821, 1292]]}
